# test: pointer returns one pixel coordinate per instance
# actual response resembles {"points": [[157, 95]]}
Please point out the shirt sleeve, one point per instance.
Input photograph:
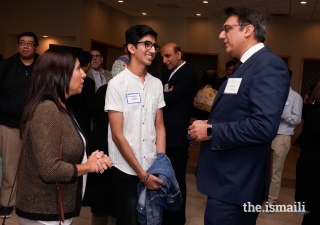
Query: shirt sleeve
{"points": [[114, 97]]}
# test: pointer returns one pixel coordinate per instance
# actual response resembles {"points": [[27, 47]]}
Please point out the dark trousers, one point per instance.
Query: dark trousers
{"points": [[126, 196], [311, 219], [218, 213], [179, 158]]}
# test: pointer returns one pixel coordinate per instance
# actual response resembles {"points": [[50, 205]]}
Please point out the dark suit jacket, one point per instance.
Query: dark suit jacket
{"points": [[308, 167], [234, 165], [178, 109], [82, 104], [220, 82]]}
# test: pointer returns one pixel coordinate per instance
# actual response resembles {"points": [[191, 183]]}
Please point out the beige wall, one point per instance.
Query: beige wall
{"points": [[77, 22], [294, 38]]}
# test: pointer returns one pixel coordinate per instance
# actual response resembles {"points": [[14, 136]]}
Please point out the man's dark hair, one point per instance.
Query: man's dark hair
{"points": [[29, 34], [248, 16], [84, 58], [230, 63], [94, 49], [137, 32]]}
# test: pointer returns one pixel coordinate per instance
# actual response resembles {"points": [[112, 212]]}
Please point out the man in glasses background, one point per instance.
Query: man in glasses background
{"points": [[97, 73], [234, 160], [180, 86], [15, 76]]}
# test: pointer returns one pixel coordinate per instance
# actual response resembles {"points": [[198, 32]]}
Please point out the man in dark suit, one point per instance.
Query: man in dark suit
{"points": [[179, 90], [234, 161], [229, 70]]}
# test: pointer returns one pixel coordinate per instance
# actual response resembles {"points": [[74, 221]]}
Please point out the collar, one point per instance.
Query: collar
{"points": [[251, 51], [178, 67]]}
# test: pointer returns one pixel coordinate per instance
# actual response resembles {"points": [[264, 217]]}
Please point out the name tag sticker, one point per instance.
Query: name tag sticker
{"points": [[166, 87], [233, 86], [133, 98]]}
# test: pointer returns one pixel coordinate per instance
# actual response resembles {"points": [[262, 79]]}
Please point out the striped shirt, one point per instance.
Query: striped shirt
{"points": [[139, 103]]}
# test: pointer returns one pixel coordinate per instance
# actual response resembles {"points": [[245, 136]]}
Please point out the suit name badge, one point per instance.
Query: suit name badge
{"points": [[133, 98], [166, 87], [233, 86]]}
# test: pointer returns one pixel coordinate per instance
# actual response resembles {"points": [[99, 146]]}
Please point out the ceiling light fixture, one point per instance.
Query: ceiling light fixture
{"points": [[303, 2], [198, 14], [44, 36], [120, 1], [144, 14], [205, 2]]}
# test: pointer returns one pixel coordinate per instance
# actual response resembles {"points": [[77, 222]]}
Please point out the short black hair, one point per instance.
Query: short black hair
{"points": [[137, 32], [29, 34], [254, 17], [84, 58], [230, 63]]}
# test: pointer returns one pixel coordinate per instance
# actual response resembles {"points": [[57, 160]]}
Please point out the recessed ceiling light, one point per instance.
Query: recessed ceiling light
{"points": [[120, 1], [205, 2], [44, 36], [303, 2], [198, 14], [144, 14]]}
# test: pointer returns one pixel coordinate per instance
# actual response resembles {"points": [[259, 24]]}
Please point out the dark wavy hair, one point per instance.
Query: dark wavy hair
{"points": [[250, 16], [210, 76], [50, 81]]}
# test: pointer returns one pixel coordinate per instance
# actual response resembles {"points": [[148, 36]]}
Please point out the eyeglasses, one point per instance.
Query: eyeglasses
{"points": [[149, 44], [98, 56], [191, 140], [227, 28], [29, 44]]}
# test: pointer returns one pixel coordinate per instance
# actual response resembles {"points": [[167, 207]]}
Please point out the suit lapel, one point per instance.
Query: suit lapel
{"points": [[238, 73]]}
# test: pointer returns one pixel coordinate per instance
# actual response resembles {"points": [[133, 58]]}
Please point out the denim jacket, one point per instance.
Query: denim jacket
{"points": [[151, 202]]}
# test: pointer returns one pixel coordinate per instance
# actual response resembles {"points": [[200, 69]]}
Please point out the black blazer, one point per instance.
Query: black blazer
{"points": [[179, 102]]}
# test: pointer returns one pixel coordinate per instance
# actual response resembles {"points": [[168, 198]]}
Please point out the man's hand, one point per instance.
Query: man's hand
{"points": [[198, 130]]}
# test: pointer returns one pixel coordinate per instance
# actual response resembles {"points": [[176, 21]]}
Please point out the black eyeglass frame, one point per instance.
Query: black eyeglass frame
{"points": [[150, 44], [226, 28], [29, 44]]}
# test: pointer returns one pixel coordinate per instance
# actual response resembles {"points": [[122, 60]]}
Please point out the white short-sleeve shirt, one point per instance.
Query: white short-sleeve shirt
{"points": [[139, 103]]}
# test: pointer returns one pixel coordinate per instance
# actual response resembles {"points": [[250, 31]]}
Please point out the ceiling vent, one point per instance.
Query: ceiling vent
{"points": [[279, 16], [168, 6]]}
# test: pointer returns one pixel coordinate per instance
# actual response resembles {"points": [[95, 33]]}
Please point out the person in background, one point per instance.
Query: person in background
{"points": [[179, 91], [121, 63], [82, 103], [234, 160], [230, 65], [55, 147], [97, 73], [206, 94], [281, 144], [136, 134], [15, 78], [308, 167]]}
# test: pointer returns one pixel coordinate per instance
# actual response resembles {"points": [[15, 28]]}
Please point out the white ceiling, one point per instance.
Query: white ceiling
{"points": [[290, 9]]}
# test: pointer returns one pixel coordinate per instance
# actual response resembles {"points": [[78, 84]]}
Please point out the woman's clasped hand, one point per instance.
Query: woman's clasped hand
{"points": [[98, 162]]}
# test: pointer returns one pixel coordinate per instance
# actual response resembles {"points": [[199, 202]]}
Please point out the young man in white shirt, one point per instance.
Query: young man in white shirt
{"points": [[134, 101]]}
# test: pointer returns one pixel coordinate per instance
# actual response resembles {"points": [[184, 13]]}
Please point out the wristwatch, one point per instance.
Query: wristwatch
{"points": [[209, 131]]}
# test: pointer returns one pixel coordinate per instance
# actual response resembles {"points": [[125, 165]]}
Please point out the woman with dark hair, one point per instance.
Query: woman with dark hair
{"points": [[206, 94], [308, 167], [54, 146]]}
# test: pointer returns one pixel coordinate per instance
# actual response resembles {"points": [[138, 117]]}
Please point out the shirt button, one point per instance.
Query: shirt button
{"points": [[143, 123]]}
